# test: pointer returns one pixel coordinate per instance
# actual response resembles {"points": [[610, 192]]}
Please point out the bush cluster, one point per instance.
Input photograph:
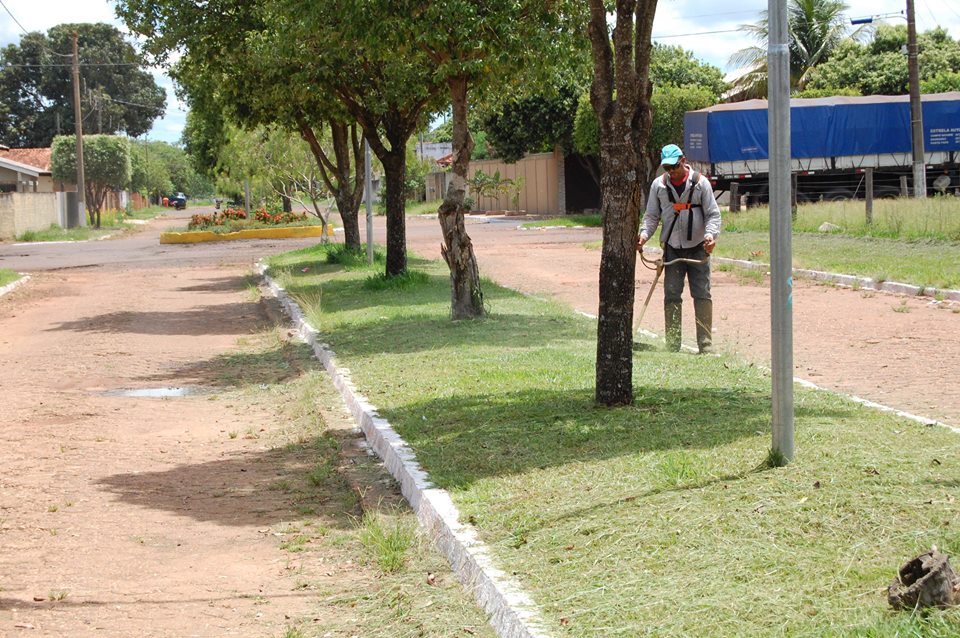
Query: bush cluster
{"points": [[198, 222], [263, 216]]}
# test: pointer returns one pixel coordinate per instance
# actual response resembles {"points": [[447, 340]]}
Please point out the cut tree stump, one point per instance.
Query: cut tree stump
{"points": [[926, 581]]}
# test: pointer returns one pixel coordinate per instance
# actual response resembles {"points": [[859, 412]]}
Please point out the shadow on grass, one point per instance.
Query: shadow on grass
{"points": [[426, 333], [461, 439]]}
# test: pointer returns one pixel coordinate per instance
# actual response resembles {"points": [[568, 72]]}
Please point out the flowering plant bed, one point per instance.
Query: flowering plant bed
{"points": [[233, 223]]}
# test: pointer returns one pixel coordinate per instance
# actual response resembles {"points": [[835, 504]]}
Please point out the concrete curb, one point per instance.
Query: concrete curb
{"points": [[512, 613], [813, 386], [851, 281], [14, 285]]}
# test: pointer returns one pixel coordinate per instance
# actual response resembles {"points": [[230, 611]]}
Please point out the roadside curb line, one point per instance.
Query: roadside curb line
{"points": [[813, 386], [512, 613], [14, 285], [878, 406], [852, 281]]}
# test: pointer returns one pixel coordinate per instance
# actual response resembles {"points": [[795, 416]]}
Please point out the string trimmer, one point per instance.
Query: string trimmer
{"points": [[658, 265]]}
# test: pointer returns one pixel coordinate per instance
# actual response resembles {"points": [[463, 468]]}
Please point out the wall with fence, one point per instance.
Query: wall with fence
{"points": [[540, 176], [20, 212]]}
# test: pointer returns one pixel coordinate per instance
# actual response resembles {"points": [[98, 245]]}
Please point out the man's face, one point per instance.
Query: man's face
{"points": [[677, 170]]}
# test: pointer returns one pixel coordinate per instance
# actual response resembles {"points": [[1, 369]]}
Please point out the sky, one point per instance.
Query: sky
{"points": [[705, 27]]}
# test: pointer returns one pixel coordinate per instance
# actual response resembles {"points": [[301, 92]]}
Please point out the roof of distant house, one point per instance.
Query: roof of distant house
{"points": [[38, 158]]}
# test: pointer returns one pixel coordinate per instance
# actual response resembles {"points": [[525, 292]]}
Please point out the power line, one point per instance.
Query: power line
{"points": [[48, 65], [684, 35], [10, 13]]}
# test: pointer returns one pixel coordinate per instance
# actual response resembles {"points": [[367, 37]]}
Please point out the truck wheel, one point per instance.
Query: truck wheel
{"points": [[838, 195]]}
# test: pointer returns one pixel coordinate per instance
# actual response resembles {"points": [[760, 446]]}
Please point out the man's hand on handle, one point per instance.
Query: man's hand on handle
{"points": [[709, 243], [641, 240]]}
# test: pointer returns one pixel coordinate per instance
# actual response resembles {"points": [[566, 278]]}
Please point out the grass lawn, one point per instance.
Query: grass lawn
{"points": [[923, 263], [657, 519], [8, 276], [569, 221], [935, 218], [420, 208], [146, 213], [55, 233]]}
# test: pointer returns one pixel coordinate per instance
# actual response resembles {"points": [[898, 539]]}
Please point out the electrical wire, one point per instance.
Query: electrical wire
{"points": [[10, 13], [684, 35], [83, 64]]}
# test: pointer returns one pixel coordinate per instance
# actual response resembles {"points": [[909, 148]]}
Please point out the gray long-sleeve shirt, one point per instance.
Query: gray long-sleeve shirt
{"points": [[705, 212]]}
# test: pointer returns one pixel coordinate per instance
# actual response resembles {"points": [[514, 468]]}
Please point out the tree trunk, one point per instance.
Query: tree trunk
{"points": [[337, 174], [351, 225], [620, 96], [287, 204], [622, 203], [395, 169], [466, 297]]}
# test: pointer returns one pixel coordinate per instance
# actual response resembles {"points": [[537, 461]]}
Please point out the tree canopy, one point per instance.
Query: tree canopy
{"points": [[878, 67], [36, 89]]}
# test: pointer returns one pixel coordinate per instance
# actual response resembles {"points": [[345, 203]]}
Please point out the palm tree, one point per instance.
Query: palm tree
{"points": [[816, 28]]}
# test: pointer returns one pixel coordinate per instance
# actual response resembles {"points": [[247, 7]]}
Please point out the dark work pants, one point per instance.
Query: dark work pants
{"points": [[673, 276]]}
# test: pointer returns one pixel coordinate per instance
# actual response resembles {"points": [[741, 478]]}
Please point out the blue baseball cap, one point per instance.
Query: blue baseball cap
{"points": [[670, 154]]}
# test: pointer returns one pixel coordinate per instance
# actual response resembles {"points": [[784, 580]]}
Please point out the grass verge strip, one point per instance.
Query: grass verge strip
{"points": [[658, 518], [7, 277], [510, 611]]}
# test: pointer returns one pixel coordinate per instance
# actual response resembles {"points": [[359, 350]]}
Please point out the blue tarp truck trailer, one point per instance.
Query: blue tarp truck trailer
{"points": [[833, 140]]}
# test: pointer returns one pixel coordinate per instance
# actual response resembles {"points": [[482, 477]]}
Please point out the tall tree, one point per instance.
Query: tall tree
{"points": [[240, 63], [816, 29], [620, 96], [470, 44], [36, 90], [106, 164]]}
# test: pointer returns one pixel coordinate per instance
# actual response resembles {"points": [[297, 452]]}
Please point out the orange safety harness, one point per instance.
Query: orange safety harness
{"points": [[682, 206]]}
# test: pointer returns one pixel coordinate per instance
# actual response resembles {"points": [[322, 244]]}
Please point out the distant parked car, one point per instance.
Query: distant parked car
{"points": [[179, 201]]}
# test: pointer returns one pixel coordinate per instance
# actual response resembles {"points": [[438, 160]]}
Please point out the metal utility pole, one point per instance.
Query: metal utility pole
{"points": [[916, 110], [781, 274], [74, 219], [368, 196]]}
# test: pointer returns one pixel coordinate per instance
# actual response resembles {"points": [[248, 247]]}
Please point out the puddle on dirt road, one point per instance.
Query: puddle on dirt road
{"points": [[157, 393]]}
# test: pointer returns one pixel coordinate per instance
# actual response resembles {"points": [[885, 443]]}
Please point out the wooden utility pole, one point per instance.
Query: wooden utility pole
{"points": [[916, 108], [73, 222]]}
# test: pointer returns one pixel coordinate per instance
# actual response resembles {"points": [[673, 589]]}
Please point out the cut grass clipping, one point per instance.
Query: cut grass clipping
{"points": [[663, 518]]}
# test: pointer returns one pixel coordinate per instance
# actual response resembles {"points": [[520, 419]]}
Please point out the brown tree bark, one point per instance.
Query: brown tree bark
{"points": [[395, 173], [620, 96], [338, 174], [466, 297]]}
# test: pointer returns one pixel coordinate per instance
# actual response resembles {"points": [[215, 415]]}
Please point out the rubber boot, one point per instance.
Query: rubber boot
{"points": [[672, 314], [703, 309]]}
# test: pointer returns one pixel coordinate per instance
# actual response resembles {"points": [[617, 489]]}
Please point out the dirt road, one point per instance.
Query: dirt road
{"points": [[899, 351], [218, 513]]}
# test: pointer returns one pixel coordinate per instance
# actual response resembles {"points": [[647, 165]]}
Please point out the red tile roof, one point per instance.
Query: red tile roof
{"points": [[39, 158]]}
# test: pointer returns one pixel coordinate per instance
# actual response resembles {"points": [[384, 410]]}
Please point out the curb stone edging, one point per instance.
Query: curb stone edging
{"points": [[512, 613], [13, 285], [852, 281]]}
